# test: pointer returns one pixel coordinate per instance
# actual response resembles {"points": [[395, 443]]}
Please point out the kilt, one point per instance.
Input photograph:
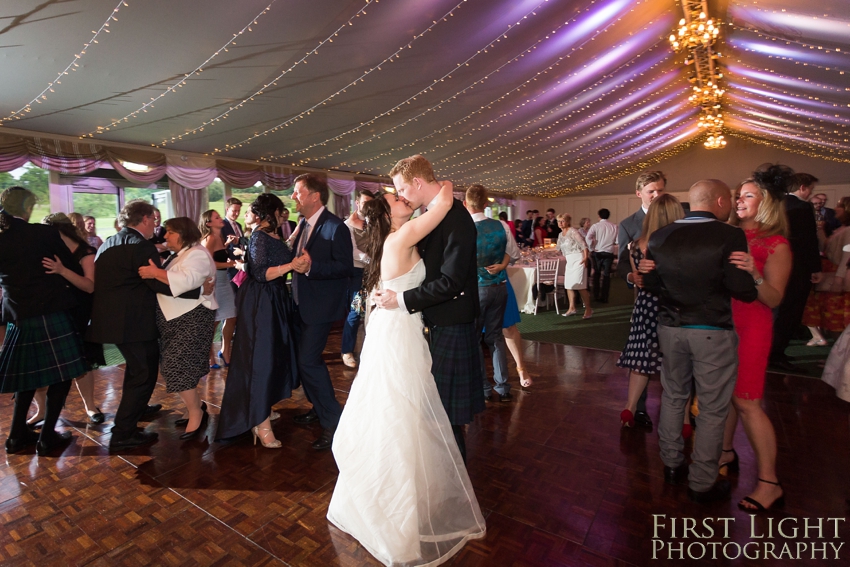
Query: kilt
{"points": [[40, 351], [457, 369]]}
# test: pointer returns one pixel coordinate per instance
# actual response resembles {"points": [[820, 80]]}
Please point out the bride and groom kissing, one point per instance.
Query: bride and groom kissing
{"points": [[403, 490]]}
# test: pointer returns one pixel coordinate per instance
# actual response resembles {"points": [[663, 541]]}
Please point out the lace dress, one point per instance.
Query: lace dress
{"points": [[642, 353], [572, 246], [403, 491], [754, 325]]}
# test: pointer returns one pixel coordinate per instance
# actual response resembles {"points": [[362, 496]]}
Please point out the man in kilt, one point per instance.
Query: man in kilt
{"points": [[448, 297], [42, 346]]}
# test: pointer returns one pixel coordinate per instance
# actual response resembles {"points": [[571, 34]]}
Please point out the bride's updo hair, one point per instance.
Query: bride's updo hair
{"points": [[378, 219]]}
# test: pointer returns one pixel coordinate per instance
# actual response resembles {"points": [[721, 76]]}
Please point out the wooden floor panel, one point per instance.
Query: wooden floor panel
{"points": [[557, 479]]}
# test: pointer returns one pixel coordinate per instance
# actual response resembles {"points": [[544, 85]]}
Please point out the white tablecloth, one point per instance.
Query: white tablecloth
{"points": [[523, 278]]}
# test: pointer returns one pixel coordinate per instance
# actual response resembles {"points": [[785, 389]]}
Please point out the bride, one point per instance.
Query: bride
{"points": [[403, 490]]}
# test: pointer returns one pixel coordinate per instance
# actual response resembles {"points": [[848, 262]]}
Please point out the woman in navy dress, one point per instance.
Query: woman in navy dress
{"points": [[263, 368]]}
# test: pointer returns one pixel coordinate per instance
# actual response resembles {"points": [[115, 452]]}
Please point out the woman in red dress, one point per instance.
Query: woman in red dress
{"points": [[760, 212]]}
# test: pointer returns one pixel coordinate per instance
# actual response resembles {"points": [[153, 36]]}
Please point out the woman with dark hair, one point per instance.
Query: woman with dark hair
{"points": [[80, 274], [42, 346], [760, 211], [540, 231], [211, 225], [403, 490], [185, 325], [263, 367]]}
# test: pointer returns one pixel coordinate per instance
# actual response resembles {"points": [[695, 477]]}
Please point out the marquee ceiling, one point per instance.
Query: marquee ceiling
{"points": [[524, 96]]}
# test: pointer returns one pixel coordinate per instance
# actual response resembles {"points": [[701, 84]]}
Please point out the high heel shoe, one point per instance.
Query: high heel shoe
{"points": [[256, 430], [588, 315], [568, 313], [97, 417], [274, 416], [194, 432], [758, 506], [732, 466], [627, 418], [817, 342], [184, 420], [223, 360]]}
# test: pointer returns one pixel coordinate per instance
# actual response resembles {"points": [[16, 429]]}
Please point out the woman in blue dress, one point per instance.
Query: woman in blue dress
{"points": [[263, 368]]}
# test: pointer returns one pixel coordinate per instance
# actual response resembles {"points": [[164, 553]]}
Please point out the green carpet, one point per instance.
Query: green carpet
{"points": [[608, 329]]}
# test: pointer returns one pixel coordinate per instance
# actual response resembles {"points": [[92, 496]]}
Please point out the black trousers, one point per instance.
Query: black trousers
{"points": [[789, 314], [140, 375], [602, 275], [310, 341]]}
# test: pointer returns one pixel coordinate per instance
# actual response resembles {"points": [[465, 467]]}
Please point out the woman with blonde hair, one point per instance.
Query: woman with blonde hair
{"points": [[573, 247], [210, 227], [642, 354], [760, 211]]}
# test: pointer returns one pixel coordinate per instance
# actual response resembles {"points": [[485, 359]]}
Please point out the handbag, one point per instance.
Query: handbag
{"points": [[240, 278], [358, 302]]}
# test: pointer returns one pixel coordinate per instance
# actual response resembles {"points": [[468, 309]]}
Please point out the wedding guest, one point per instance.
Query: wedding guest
{"points": [[552, 230], [642, 355], [124, 314], [574, 249], [79, 224], [158, 237], [526, 231], [357, 227], [540, 231], [503, 216], [213, 239], [825, 217], [320, 290], [41, 347], [80, 274], [760, 212], [695, 281], [185, 325], [583, 227], [91, 233], [263, 369], [232, 227], [287, 227], [601, 240]]}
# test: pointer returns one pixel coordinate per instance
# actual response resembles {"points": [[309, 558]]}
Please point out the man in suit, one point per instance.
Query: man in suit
{"points": [[649, 185], [448, 297], [695, 283], [287, 227], [824, 216], [124, 314], [158, 237], [322, 270], [805, 268], [232, 228], [552, 230], [527, 228]]}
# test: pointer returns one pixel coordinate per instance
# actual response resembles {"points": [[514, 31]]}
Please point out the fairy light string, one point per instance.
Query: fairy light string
{"points": [[71, 67], [179, 84]]}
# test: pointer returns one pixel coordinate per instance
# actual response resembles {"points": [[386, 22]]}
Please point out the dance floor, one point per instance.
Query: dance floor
{"points": [[557, 479]]}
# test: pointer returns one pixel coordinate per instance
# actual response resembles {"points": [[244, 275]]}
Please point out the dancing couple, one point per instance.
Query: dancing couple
{"points": [[403, 489]]}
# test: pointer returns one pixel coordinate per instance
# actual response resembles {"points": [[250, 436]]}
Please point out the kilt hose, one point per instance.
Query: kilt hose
{"points": [[456, 366]]}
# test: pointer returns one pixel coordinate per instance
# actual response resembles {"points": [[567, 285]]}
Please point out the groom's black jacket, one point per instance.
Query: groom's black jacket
{"points": [[449, 294]]}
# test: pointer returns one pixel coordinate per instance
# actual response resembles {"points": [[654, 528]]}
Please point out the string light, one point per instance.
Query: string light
{"points": [[72, 66], [179, 84]]}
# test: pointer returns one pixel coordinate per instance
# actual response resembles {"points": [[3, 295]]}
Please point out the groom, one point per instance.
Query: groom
{"points": [[448, 297]]}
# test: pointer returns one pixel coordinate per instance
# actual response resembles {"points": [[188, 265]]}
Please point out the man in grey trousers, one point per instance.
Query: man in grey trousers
{"points": [[691, 273]]}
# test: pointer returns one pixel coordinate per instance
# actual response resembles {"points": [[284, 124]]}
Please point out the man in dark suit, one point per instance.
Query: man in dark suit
{"points": [[448, 297], [649, 185], [322, 268], [805, 268], [124, 314], [158, 237], [824, 216], [287, 227], [232, 228], [527, 228]]}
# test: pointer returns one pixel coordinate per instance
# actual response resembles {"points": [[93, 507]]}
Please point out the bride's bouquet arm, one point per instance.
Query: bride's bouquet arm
{"points": [[416, 229]]}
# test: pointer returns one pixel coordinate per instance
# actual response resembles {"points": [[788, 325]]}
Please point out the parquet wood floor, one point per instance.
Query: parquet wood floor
{"points": [[557, 479]]}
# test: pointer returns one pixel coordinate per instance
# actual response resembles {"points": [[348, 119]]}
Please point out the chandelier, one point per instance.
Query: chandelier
{"points": [[696, 35]]}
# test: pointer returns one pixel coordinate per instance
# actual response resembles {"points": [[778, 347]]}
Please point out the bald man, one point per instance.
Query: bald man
{"points": [[691, 273]]}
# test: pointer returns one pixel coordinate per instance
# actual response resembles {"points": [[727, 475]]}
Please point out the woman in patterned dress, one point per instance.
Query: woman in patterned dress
{"points": [[760, 212], [642, 355], [185, 325]]}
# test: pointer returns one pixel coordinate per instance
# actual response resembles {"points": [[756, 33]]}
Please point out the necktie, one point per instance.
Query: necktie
{"points": [[285, 230], [305, 234], [236, 230], [168, 261], [303, 229]]}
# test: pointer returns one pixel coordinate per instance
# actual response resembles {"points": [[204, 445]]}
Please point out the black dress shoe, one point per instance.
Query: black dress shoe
{"points": [[97, 417], [674, 476], [201, 426], [17, 445], [55, 441], [505, 397], [325, 440], [719, 491], [184, 420], [306, 418], [642, 419], [138, 439], [151, 410], [784, 366]]}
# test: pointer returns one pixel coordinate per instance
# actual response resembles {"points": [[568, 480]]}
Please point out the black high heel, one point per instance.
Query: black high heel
{"points": [[192, 434], [778, 503], [184, 420], [732, 466], [225, 362]]}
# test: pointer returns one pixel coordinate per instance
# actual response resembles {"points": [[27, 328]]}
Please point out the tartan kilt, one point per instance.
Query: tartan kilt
{"points": [[456, 366], [40, 351]]}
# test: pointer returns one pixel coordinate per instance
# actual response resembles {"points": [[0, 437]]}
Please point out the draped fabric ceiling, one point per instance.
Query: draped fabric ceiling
{"points": [[541, 97]]}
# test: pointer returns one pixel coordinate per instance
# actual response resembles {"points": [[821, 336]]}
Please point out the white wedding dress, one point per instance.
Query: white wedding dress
{"points": [[403, 491]]}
